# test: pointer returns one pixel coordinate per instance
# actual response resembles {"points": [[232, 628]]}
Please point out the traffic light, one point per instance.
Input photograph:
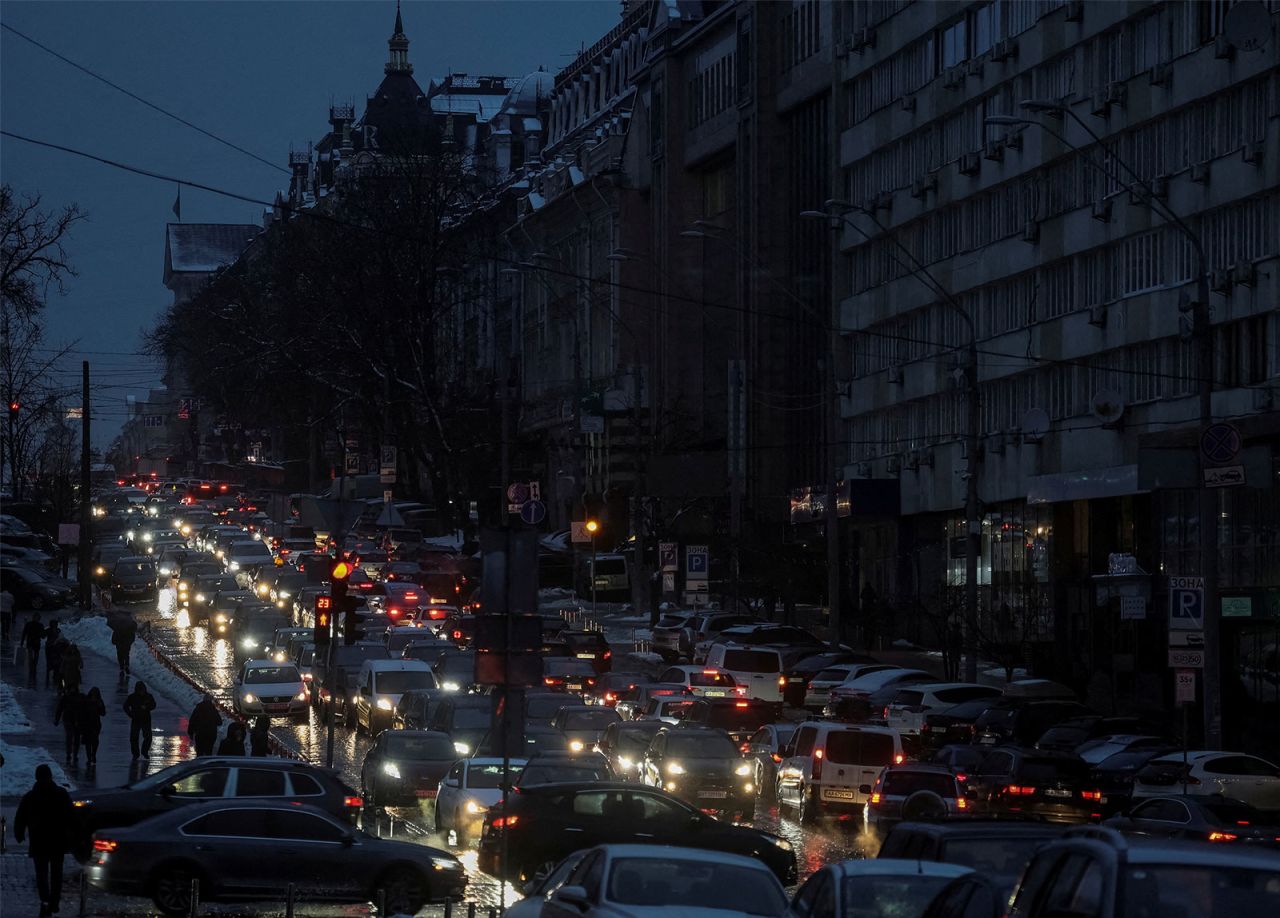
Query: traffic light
{"points": [[339, 574], [14, 407], [324, 621]]}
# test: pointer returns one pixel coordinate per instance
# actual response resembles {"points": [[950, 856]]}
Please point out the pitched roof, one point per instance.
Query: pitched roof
{"points": [[204, 247]]}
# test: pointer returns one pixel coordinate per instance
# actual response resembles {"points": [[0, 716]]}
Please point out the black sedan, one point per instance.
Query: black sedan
{"points": [[252, 851], [1203, 817], [542, 824], [33, 589], [703, 767], [403, 766], [134, 580]]}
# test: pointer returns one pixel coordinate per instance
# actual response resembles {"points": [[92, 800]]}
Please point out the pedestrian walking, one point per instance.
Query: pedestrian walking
{"points": [[32, 634], [233, 742], [68, 713], [6, 614], [124, 631], [45, 813], [138, 706], [203, 725], [91, 715], [260, 737], [54, 644], [72, 667]]}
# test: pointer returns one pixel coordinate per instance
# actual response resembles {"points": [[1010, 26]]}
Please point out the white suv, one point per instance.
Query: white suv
{"points": [[825, 766], [758, 669], [906, 712]]}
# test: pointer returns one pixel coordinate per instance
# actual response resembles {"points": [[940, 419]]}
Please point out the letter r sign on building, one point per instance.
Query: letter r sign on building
{"points": [[1186, 603]]}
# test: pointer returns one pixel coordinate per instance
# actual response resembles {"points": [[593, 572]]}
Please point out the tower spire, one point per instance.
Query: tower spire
{"points": [[398, 46]]}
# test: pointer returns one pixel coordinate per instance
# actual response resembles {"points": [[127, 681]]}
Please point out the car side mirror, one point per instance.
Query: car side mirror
{"points": [[575, 896], [167, 791], [348, 839], [864, 788]]}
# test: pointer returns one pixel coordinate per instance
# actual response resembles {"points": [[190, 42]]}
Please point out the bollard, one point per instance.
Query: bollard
{"points": [[195, 897], [471, 910], [84, 893], [493, 912], [382, 903], [448, 908], [288, 902]]}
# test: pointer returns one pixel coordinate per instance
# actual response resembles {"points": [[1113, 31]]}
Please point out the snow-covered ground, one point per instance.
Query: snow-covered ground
{"points": [[19, 771], [92, 634], [12, 718]]}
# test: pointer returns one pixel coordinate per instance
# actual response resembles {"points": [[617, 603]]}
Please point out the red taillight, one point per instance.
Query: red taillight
{"points": [[742, 704], [105, 844], [393, 613], [775, 757], [1091, 795], [885, 715], [608, 654], [1019, 790], [435, 614], [353, 802], [962, 777], [1213, 837], [609, 696], [457, 635], [411, 596], [875, 799], [961, 803], [551, 680], [503, 822], [710, 672], [899, 758], [817, 763]]}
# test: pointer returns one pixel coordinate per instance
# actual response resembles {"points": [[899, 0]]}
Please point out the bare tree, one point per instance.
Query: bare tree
{"points": [[32, 255], [32, 404]]}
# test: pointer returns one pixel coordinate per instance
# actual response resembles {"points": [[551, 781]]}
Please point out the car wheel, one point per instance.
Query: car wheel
{"points": [[767, 790], [404, 891], [171, 889], [807, 808], [36, 602]]}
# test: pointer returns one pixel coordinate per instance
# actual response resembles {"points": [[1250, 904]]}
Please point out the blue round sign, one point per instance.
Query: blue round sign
{"points": [[533, 512]]}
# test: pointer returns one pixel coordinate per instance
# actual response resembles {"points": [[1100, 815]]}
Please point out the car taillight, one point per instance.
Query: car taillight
{"points": [[457, 635], [962, 777], [899, 758], [503, 822], [885, 714], [961, 803], [745, 748], [107, 844], [353, 802], [775, 757], [875, 799], [782, 682], [1213, 837], [1019, 790], [818, 755], [609, 696], [1091, 795], [551, 680], [607, 654], [742, 704]]}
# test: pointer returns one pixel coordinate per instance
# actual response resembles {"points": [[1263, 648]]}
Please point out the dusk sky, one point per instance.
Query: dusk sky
{"points": [[260, 75]]}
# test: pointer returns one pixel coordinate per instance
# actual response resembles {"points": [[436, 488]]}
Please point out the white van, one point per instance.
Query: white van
{"points": [[759, 669], [825, 765], [907, 710], [380, 685]]}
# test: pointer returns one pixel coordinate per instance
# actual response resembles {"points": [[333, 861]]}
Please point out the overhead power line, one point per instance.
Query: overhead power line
{"points": [[137, 98]]}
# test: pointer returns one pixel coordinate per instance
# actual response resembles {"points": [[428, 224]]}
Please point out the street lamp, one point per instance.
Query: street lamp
{"points": [[973, 423], [592, 528], [1201, 331]]}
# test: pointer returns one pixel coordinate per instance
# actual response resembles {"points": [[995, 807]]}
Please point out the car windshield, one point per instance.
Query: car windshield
{"points": [[579, 643], [136, 567], [1051, 771], [701, 745], [469, 718], [637, 740], [1192, 889], [486, 777], [706, 678], [906, 783], [259, 675], [397, 683], [542, 707], [460, 666], [1233, 812], [659, 881], [672, 621], [419, 746], [552, 772], [888, 895], [753, 661], [591, 720]]}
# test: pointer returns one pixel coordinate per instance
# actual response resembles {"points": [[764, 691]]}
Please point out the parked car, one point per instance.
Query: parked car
{"points": [[624, 879], [1199, 817], [249, 850], [1232, 774], [818, 692], [913, 791], [405, 766], [910, 705], [882, 886], [1114, 776], [34, 589], [672, 636], [1100, 749], [534, 822], [704, 767], [466, 793]]}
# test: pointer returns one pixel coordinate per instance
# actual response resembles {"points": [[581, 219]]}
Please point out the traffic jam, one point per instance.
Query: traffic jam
{"points": [[712, 761]]}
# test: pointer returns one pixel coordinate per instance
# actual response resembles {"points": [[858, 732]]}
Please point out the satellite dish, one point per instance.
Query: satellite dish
{"points": [[1035, 424], [1248, 25], [1107, 406]]}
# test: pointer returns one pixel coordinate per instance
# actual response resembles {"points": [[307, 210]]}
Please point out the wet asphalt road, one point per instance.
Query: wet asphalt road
{"points": [[209, 661]]}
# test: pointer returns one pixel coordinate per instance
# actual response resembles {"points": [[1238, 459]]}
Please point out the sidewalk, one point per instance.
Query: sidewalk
{"points": [[30, 737]]}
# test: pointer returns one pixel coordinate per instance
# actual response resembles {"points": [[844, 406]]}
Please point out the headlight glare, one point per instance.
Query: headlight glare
{"points": [[384, 704], [391, 769], [742, 770], [675, 768]]}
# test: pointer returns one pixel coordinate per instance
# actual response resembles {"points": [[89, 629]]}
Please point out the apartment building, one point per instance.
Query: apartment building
{"points": [[1041, 240]]}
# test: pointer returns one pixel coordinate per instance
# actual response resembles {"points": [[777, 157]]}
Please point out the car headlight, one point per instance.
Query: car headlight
{"points": [[780, 842], [164, 571], [626, 763], [150, 550], [262, 589], [284, 594], [185, 530], [450, 686], [248, 643], [183, 586], [384, 704], [575, 745], [675, 768], [220, 618], [100, 571], [233, 565], [279, 656], [301, 696], [199, 597], [147, 537], [445, 863], [461, 748], [81, 802], [742, 770], [248, 698], [130, 534], [391, 769], [473, 808]]}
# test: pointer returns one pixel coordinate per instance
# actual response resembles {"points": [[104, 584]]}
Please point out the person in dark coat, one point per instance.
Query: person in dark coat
{"points": [[91, 714], [33, 633], [203, 725], [54, 644], [233, 742], [72, 668], [68, 712], [138, 706], [123, 633], [260, 737], [45, 812]]}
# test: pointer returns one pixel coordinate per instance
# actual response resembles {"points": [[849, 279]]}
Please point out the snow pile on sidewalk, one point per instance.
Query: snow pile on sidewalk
{"points": [[12, 718], [92, 634], [19, 771]]}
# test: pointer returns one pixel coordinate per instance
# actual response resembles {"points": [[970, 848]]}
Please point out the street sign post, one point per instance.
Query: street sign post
{"points": [[668, 556], [1219, 444], [1186, 658], [1184, 686], [1193, 639], [533, 512], [1186, 604], [578, 532], [695, 563]]}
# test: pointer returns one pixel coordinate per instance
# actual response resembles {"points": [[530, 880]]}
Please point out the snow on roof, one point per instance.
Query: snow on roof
{"points": [[205, 247]]}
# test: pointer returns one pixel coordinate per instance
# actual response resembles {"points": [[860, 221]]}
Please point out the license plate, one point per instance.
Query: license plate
{"points": [[837, 793], [430, 793], [713, 794], [275, 707], [714, 693], [986, 740], [1054, 792], [586, 656], [576, 688]]}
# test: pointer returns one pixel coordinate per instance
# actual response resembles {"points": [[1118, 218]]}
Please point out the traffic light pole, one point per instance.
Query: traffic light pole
{"points": [[85, 561]]}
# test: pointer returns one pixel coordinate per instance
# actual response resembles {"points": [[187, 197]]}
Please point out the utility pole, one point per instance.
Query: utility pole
{"points": [[833, 483], [972, 521], [84, 563]]}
